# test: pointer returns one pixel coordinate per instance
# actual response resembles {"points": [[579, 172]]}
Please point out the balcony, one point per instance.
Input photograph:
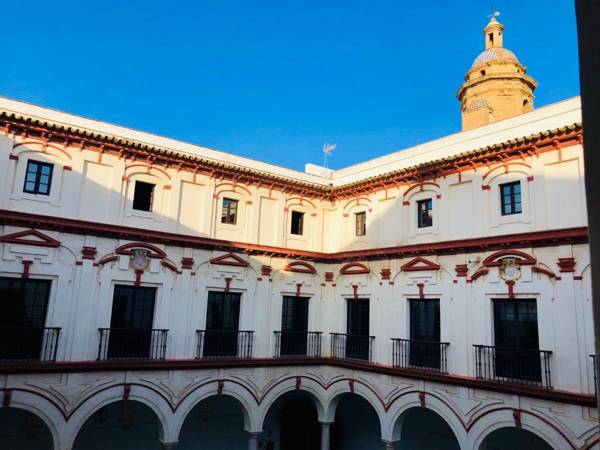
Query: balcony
{"points": [[132, 343], [224, 344], [18, 344], [513, 365], [352, 346], [297, 343], [423, 355]]}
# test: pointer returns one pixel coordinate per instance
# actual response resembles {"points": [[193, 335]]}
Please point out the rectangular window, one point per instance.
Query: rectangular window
{"points": [[229, 211], [294, 326], [516, 339], [131, 322], [297, 223], [357, 339], [38, 177], [222, 322], [424, 213], [424, 333], [24, 306], [142, 196], [361, 223], [510, 198]]}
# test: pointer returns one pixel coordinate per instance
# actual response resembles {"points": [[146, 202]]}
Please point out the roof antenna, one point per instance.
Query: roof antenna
{"points": [[327, 150]]}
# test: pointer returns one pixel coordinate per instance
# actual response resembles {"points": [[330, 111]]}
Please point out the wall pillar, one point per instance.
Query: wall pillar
{"points": [[325, 432], [253, 441]]}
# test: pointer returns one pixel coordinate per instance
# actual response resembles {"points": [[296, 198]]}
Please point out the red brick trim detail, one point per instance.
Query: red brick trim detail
{"points": [[544, 271], [88, 253], [419, 264], [421, 287], [229, 259], [461, 270], [386, 274], [355, 291], [265, 270], [522, 258], [578, 277], [354, 269], [169, 265], [479, 273], [67, 168], [517, 417], [21, 238], [126, 249], [13, 157], [300, 267], [138, 277], [566, 265], [187, 263], [485, 187], [329, 276], [511, 288], [228, 284], [530, 178], [26, 267], [422, 399], [6, 398]]}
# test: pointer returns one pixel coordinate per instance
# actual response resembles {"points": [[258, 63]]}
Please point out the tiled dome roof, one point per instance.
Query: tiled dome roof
{"points": [[495, 54]]}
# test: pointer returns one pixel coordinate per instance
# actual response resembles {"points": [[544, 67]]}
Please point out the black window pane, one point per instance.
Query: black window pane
{"points": [[142, 196], [38, 177], [510, 198], [297, 223], [229, 211], [424, 213], [361, 223]]}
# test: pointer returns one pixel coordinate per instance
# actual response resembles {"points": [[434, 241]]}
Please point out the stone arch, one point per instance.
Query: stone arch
{"points": [[50, 420], [493, 420], [314, 390], [344, 387], [242, 396], [54, 151], [138, 393], [403, 404]]}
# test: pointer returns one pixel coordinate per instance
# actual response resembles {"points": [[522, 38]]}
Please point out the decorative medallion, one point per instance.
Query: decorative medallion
{"points": [[139, 259], [509, 269]]}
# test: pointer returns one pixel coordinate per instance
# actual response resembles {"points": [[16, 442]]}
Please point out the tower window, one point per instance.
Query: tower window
{"points": [[510, 198], [38, 177], [482, 72], [361, 223], [142, 196], [229, 211], [424, 213], [491, 38], [297, 223]]}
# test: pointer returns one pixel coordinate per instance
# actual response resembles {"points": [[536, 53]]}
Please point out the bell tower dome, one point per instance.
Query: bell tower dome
{"points": [[497, 85]]}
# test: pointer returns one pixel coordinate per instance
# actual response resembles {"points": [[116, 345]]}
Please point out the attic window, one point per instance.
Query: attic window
{"points": [[482, 72], [297, 223], [142, 196]]}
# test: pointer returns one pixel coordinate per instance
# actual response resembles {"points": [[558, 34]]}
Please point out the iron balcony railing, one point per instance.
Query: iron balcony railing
{"points": [[224, 344], [132, 343], [423, 355], [352, 346], [297, 343], [28, 343], [513, 365]]}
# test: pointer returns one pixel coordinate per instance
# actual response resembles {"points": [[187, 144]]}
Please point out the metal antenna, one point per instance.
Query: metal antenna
{"points": [[327, 150]]}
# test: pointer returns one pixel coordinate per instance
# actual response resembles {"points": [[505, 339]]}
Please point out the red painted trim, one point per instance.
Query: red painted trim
{"points": [[227, 284], [88, 253], [421, 186], [355, 291], [419, 264], [195, 364], [19, 238], [566, 265], [523, 259], [329, 276], [549, 238], [187, 263], [300, 267], [107, 259], [138, 277], [543, 271], [354, 269], [386, 274], [421, 287], [127, 249], [479, 273], [578, 277], [26, 267], [229, 259], [169, 265], [13, 157], [298, 289], [461, 270], [511, 288], [265, 270]]}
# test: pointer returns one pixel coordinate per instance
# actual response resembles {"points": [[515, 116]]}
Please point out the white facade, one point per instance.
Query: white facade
{"points": [[80, 236]]}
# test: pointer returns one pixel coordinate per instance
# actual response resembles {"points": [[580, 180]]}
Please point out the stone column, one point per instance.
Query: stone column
{"points": [[253, 440], [325, 431], [389, 445]]}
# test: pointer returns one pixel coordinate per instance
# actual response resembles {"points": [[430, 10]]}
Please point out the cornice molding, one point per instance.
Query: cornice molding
{"points": [[518, 148], [549, 238]]}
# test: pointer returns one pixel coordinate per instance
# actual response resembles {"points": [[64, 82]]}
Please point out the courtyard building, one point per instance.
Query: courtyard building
{"points": [[162, 295]]}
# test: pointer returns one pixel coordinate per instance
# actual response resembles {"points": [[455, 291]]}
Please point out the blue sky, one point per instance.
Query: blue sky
{"points": [[274, 80]]}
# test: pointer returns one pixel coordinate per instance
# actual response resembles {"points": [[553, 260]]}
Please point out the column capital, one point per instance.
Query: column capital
{"points": [[169, 445], [389, 445]]}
